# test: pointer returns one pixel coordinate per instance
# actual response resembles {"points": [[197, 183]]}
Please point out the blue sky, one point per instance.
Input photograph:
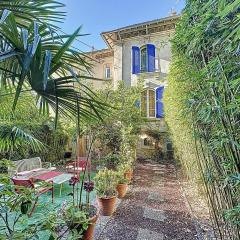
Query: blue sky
{"points": [[97, 16]]}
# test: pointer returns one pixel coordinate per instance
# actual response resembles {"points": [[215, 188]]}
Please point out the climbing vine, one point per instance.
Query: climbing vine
{"points": [[202, 105]]}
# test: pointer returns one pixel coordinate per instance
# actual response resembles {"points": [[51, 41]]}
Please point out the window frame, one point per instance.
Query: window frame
{"points": [[147, 104], [106, 69], [144, 48]]}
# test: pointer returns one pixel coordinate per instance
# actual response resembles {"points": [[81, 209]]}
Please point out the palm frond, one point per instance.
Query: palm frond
{"points": [[12, 137]]}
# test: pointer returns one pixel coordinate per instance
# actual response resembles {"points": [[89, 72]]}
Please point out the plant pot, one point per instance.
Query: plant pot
{"points": [[89, 233], [122, 190], [129, 175], [107, 205]]}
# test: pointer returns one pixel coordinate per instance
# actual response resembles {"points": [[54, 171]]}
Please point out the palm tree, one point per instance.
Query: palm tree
{"points": [[34, 57]]}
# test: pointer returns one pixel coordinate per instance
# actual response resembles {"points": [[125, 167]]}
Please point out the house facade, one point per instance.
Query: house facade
{"points": [[140, 52]]}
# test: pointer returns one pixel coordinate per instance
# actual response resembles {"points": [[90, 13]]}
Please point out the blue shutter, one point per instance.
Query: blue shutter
{"points": [[151, 57], [135, 60], [159, 103]]}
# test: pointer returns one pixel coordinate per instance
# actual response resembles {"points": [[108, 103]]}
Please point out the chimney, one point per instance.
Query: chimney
{"points": [[173, 12]]}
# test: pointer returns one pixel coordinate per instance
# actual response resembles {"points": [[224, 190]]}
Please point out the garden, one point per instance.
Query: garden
{"points": [[61, 144], [68, 154]]}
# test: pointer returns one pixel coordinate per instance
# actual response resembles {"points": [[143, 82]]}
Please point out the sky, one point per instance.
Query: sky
{"points": [[96, 16]]}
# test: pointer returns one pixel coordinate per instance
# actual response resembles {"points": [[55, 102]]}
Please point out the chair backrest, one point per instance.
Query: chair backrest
{"points": [[27, 183], [81, 162], [25, 165]]}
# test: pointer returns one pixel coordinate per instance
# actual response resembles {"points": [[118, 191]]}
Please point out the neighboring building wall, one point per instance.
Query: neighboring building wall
{"points": [[101, 60]]}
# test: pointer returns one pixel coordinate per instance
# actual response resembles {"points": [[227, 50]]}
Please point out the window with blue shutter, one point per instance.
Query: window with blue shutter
{"points": [[151, 57], [143, 59], [135, 60], [159, 103]]}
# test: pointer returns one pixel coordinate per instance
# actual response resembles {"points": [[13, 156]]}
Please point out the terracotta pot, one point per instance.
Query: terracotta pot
{"points": [[89, 234], [129, 175], [107, 205], [122, 190]]}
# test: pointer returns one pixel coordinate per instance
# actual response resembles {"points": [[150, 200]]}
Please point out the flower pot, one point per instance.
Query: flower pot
{"points": [[89, 233], [122, 190], [107, 205], [129, 175]]}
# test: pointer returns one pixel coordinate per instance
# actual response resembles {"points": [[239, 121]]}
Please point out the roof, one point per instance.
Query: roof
{"points": [[99, 54], [144, 28]]}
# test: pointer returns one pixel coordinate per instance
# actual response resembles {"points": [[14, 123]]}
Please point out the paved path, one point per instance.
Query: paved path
{"points": [[154, 209]]}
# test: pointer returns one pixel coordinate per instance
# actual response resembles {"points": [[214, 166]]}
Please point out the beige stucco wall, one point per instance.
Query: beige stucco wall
{"points": [[98, 71]]}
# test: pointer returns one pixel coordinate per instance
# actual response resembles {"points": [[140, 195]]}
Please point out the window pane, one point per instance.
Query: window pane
{"points": [[151, 103], [107, 72], [144, 59], [144, 104]]}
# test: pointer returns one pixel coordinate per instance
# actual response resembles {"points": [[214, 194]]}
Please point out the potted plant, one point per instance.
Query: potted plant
{"points": [[105, 184], [76, 220], [127, 170], [81, 217], [110, 161], [122, 184]]}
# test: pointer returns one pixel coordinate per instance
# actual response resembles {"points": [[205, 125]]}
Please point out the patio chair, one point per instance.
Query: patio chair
{"points": [[28, 183], [78, 166]]}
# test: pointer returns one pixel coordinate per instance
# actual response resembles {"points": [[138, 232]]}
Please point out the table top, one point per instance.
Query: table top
{"points": [[47, 175], [62, 178]]}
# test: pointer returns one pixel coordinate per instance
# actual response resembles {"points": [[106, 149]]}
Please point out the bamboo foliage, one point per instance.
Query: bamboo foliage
{"points": [[202, 105]]}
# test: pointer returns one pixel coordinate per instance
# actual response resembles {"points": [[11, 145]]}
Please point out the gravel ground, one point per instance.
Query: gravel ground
{"points": [[154, 208]]}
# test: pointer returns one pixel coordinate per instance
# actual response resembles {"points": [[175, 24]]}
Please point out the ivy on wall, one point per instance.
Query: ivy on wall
{"points": [[202, 105]]}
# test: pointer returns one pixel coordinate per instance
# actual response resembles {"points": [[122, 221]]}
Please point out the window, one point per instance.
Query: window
{"points": [[144, 104], [107, 72], [169, 146], [143, 59], [147, 142], [148, 105], [151, 107], [151, 103]]}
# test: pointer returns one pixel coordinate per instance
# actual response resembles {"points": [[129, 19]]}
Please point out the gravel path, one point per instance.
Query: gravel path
{"points": [[154, 208]]}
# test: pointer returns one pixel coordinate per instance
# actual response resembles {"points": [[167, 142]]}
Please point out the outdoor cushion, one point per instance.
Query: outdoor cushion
{"points": [[25, 165], [23, 173]]}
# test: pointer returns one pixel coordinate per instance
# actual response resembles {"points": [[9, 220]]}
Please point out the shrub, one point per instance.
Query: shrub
{"points": [[106, 183]]}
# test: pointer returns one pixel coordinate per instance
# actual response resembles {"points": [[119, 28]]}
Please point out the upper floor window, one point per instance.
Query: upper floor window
{"points": [[107, 72], [143, 59], [151, 103]]}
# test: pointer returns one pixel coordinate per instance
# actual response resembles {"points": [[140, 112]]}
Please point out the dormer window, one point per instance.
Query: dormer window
{"points": [[143, 59]]}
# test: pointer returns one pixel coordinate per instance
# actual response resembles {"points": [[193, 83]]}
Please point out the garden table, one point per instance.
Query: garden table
{"points": [[60, 179], [57, 178]]}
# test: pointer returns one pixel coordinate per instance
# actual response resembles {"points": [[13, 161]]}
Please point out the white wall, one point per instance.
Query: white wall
{"points": [[163, 52]]}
